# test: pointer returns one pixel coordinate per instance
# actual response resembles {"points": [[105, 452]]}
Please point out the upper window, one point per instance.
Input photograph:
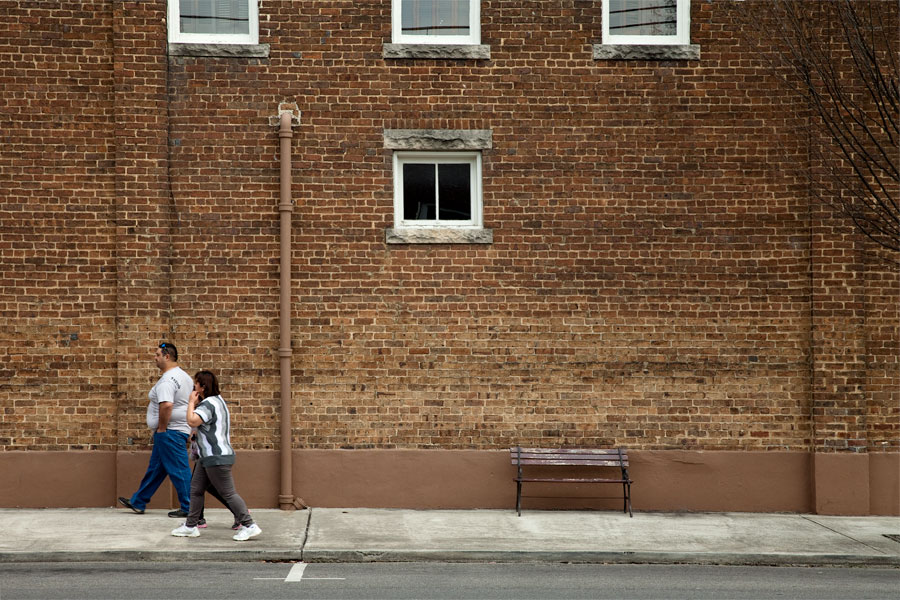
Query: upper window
{"points": [[436, 21], [646, 21], [214, 21], [437, 189]]}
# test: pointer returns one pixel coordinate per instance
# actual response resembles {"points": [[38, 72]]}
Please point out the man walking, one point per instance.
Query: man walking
{"points": [[167, 418]]}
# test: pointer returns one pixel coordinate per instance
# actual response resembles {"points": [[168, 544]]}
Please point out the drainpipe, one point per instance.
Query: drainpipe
{"points": [[286, 500]]}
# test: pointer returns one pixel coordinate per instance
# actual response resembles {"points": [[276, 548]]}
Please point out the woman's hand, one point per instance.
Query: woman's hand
{"points": [[192, 418]]}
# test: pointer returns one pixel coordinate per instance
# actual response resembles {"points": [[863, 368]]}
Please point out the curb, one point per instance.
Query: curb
{"points": [[144, 556], [468, 556], [621, 557]]}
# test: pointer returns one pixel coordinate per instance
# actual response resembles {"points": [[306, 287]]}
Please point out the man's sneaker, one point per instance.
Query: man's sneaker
{"points": [[185, 531], [127, 504], [201, 523], [245, 533], [178, 514]]}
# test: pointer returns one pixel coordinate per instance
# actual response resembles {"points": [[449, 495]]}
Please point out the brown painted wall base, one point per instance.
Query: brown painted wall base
{"points": [[884, 484], [422, 479], [664, 480]]}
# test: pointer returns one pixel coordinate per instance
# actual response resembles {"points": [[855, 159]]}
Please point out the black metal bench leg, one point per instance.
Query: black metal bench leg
{"points": [[519, 498], [628, 499]]}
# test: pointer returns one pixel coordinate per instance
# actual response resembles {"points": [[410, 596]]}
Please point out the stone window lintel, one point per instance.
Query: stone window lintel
{"points": [[438, 139]]}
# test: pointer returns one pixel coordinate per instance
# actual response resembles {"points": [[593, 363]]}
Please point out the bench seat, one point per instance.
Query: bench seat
{"points": [[616, 458]]}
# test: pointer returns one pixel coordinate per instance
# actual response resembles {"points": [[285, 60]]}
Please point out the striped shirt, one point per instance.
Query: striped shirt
{"points": [[213, 436]]}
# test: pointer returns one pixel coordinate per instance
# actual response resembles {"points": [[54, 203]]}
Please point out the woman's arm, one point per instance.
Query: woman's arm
{"points": [[193, 418]]}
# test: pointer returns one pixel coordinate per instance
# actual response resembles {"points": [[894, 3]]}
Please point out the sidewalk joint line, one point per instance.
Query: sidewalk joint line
{"points": [[879, 550], [306, 532]]}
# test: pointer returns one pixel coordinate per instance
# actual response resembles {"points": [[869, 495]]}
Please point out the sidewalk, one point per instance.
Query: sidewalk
{"points": [[366, 535]]}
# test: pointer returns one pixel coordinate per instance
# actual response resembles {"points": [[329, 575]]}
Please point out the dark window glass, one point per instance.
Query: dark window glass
{"points": [[643, 17], [454, 192], [419, 201], [214, 16], [434, 17]]}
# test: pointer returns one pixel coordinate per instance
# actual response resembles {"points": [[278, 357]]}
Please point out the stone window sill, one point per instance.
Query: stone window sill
{"points": [[453, 51], [646, 52], [220, 50], [436, 235]]}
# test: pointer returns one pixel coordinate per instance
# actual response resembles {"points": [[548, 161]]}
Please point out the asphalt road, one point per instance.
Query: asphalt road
{"points": [[397, 581]]}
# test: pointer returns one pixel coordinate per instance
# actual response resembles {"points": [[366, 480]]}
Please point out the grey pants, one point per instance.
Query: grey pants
{"points": [[220, 477]]}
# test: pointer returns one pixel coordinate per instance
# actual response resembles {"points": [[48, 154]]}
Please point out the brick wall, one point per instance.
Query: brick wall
{"points": [[57, 227], [658, 278]]}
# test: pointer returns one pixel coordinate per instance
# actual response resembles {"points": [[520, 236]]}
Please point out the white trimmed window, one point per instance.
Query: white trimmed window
{"points": [[437, 190], [436, 21], [646, 22], [214, 21]]}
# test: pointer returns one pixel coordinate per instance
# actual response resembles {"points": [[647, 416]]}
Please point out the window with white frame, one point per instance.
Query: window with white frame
{"points": [[436, 21], [646, 21], [214, 21], [437, 190]]}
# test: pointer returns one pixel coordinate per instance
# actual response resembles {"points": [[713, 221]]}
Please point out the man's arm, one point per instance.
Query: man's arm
{"points": [[165, 394], [165, 413]]}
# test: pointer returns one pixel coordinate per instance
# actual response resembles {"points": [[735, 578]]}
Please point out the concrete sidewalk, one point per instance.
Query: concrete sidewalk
{"points": [[365, 535]]}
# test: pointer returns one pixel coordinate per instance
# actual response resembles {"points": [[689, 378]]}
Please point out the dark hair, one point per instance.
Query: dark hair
{"points": [[169, 350], [209, 383]]}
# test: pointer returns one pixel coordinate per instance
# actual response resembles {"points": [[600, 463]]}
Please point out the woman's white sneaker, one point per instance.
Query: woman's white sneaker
{"points": [[184, 531], [245, 533]]}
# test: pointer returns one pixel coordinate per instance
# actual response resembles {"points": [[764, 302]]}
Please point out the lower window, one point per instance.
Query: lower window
{"points": [[437, 189]]}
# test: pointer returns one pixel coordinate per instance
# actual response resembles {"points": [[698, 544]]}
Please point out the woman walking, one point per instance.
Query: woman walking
{"points": [[213, 422]]}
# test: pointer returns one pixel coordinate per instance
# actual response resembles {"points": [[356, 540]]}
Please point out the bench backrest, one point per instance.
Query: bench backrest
{"points": [[589, 457]]}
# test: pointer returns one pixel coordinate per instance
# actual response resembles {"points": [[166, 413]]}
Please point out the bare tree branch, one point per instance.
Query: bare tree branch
{"points": [[843, 56]]}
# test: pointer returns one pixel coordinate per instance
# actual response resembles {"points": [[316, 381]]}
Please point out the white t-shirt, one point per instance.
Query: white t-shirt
{"points": [[174, 386]]}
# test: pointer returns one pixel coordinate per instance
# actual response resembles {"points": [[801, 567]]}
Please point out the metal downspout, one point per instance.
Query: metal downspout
{"points": [[286, 500]]}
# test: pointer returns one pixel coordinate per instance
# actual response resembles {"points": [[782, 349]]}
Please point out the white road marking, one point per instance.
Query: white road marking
{"points": [[296, 574]]}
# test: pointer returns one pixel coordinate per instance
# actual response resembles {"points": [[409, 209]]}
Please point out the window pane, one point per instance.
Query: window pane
{"points": [[454, 192], [419, 201], [643, 17], [434, 17], [215, 16]]}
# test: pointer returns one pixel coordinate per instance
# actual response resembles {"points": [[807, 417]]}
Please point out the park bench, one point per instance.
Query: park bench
{"points": [[547, 458]]}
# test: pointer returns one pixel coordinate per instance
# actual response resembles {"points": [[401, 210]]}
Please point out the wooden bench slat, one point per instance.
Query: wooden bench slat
{"points": [[590, 451], [572, 456], [572, 462], [564, 450], [575, 480], [569, 457]]}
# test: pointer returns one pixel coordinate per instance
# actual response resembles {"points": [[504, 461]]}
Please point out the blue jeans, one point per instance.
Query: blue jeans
{"points": [[169, 457]]}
